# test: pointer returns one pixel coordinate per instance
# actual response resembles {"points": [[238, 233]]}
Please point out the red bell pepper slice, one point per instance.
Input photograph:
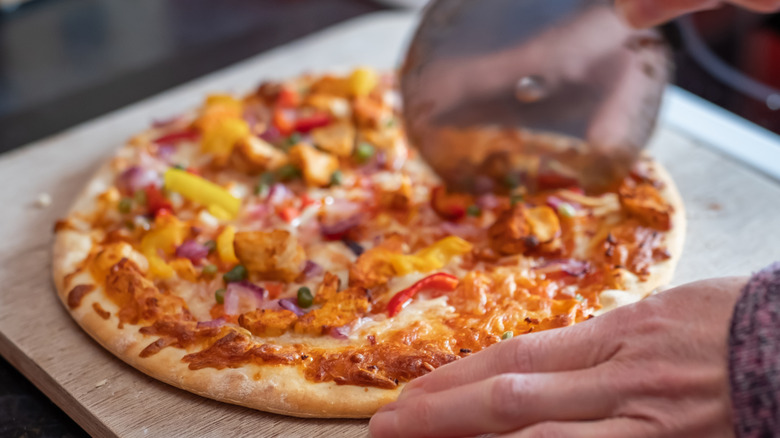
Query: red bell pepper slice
{"points": [[282, 123], [156, 202], [288, 98], [439, 282], [288, 214], [552, 181], [175, 137], [306, 201], [306, 124]]}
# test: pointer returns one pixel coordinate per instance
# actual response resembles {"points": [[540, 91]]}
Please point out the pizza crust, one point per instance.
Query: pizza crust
{"points": [[660, 273]]}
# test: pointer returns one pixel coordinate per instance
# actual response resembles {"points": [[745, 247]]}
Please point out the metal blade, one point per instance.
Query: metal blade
{"points": [[506, 92]]}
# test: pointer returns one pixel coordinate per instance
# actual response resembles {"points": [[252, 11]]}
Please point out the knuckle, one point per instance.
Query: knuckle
{"points": [[523, 355], [424, 413], [506, 396]]}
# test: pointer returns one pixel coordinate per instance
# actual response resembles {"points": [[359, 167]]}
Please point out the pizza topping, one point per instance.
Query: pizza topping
{"points": [[305, 298], [644, 202], [440, 282], [338, 230], [225, 245], [317, 166], [193, 251], [521, 230], [290, 304], [268, 322], [254, 155], [362, 81], [337, 138], [165, 236], [178, 136], [273, 255], [156, 202], [342, 308], [363, 152], [449, 206], [238, 273], [427, 259], [136, 178], [243, 296], [218, 200]]}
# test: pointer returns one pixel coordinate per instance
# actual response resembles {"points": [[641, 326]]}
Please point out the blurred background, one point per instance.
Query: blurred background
{"points": [[63, 62]]}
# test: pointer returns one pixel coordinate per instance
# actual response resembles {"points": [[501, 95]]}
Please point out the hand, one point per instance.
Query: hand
{"points": [[657, 368], [646, 13]]}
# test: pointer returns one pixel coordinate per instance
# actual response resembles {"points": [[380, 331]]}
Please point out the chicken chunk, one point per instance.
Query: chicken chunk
{"points": [[267, 322], [328, 288], [341, 309], [254, 155], [645, 203], [522, 230], [336, 138], [317, 166], [270, 255]]}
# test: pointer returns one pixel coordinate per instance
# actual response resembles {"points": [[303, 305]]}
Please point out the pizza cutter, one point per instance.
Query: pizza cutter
{"points": [[501, 94]]}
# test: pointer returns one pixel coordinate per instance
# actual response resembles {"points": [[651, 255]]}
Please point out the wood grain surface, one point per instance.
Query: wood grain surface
{"points": [[733, 216]]}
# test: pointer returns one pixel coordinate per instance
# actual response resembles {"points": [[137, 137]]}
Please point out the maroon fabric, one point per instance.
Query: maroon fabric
{"points": [[754, 356]]}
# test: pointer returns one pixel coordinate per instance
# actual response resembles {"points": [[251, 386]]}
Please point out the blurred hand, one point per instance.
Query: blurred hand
{"points": [[646, 13], [657, 368]]}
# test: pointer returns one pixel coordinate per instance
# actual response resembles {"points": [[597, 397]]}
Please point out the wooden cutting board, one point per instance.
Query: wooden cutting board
{"points": [[733, 215]]}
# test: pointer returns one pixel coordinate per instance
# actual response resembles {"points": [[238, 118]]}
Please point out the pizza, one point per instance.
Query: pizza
{"points": [[288, 251]]}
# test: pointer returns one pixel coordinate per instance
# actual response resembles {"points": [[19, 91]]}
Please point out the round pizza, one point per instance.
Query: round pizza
{"points": [[289, 251]]}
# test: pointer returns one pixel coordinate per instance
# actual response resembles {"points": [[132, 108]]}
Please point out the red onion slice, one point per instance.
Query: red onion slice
{"points": [[575, 268], [136, 178], [312, 269], [555, 203], [278, 194], [243, 295], [214, 323], [192, 250], [340, 332], [290, 304], [337, 230], [488, 201]]}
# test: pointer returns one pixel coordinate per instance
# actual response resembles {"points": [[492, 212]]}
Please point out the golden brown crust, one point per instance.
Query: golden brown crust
{"points": [[660, 273]]}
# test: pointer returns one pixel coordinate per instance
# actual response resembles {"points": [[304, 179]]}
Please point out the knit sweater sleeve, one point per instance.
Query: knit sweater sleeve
{"points": [[754, 356]]}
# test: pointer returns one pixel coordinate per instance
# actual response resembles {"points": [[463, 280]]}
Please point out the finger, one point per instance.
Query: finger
{"points": [[609, 428], [647, 13], [499, 404], [765, 6], [564, 349]]}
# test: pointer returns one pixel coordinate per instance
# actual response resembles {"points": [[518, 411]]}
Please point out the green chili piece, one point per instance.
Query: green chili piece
{"points": [[305, 298], [219, 295], [236, 274]]}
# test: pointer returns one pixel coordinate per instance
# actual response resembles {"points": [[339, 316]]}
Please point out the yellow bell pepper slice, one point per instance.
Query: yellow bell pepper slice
{"points": [[221, 135], [362, 81], [224, 102], [167, 233], [427, 259], [225, 249], [202, 191]]}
